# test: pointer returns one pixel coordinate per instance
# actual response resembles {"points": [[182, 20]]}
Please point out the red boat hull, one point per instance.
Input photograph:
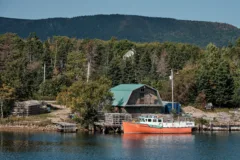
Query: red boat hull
{"points": [[129, 127]]}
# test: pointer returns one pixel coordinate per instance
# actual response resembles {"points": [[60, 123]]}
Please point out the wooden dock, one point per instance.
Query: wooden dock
{"points": [[66, 127], [112, 121], [218, 127]]}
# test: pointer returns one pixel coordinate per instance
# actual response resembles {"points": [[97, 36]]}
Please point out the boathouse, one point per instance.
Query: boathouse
{"points": [[136, 99]]}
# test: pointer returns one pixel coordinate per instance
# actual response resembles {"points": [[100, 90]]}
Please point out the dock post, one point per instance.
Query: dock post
{"points": [[94, 128], [229, 127], [104, 130], [211, 126]]}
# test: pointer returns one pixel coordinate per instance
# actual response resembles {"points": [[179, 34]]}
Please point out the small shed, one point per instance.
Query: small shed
{"points": [[168, 106], [26, 108]]}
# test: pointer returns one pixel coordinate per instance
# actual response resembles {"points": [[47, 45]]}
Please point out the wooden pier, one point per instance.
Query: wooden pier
{"points": [[112, 121], [218, 127], [66, 127]]}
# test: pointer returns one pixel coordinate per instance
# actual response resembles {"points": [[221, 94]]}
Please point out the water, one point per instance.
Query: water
{"points": [[57, 146]]}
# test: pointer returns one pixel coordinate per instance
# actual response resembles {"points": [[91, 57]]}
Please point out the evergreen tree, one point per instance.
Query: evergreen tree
{"points": [[114, 72], [128, 75], [33, 48], [145, 65], [214, 79], [76, 66]]}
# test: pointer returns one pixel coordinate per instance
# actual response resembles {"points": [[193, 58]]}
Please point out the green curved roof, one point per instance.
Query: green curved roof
{"points": [[122, 92]]}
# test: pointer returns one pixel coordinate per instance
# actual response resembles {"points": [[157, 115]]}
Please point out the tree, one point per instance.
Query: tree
{"points": [[145, 66], [213, 78], [185, 85], [90, 50], [62, 46], [238, 42], [114, 72], [87, 98], [76, 66], [46, 60], [6, 94], [33, 47], [128, 75], [15, 67]]}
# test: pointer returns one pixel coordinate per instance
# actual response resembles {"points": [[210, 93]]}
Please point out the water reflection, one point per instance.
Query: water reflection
{"points": [[33, 141], [50, 146], [155, 140]]}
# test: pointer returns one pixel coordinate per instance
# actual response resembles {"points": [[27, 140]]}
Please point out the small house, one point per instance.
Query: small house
{"points": [[136, 99]]}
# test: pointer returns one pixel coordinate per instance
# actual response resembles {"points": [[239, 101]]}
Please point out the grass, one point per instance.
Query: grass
{"points": [[39, 120], [41, 116], [201, 121]]}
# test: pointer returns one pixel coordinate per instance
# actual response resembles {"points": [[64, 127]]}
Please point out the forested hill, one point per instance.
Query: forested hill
{"points": [[134, 28]]}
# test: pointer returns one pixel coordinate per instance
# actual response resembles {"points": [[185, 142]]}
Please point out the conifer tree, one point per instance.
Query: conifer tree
{"points": [[128, 75], [214, 78], [114, 72], [145, 65]]}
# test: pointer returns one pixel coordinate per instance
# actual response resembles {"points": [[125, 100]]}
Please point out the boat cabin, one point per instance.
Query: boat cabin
{"points": [[155, 121], [151, 120]]}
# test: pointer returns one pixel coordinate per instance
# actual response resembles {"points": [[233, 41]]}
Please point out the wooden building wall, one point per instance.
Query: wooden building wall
{"points": [[143, 95]]}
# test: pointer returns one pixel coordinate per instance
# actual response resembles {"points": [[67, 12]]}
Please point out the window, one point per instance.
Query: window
{"points": [[142, 120], [159, 120], [154, 120], [142, 89], [149, 120]]}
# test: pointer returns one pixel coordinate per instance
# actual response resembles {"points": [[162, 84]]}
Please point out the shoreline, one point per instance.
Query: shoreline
{"points": [[49, 128], [53, 128]]}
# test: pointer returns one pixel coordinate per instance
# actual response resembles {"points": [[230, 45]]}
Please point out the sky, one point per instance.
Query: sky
{"points": [[226, 11]]}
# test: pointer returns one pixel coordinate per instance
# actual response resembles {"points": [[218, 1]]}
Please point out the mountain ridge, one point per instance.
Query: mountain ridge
{"points": [[132, 27]]}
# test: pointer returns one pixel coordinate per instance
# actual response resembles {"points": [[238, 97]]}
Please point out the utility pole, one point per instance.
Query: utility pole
{"points": [[44, 72], [55, 58], [172, 89], [88, 70]]}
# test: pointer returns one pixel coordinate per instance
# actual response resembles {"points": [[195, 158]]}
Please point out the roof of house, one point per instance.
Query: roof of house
{"points": [[130, 53], [122, 93]]}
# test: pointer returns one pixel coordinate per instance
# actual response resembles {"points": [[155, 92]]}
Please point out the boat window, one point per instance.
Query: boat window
{"points": [[149, 120], [154, 120], [159, 120], [142, 119]]}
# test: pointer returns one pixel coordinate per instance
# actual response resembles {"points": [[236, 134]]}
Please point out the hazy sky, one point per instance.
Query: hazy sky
{"points": [[227, 11]]}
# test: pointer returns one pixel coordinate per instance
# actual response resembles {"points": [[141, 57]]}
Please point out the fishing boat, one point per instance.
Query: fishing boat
{"points": [[155, 124]]}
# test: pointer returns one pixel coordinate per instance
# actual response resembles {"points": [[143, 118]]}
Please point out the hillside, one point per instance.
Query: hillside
{"points": [[134, 28]]}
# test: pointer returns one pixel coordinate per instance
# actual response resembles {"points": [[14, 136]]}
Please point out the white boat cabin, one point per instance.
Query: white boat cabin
{"points": [[156, 121]]}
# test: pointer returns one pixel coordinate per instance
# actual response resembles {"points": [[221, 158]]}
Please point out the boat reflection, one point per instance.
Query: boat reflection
{"points": [[154, 140]]}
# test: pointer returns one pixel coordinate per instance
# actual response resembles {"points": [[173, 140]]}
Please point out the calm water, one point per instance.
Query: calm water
{"points": [[57, 146]]}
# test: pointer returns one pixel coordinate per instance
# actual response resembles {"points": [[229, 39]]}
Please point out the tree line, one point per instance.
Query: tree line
{"points": [[33, 69]]}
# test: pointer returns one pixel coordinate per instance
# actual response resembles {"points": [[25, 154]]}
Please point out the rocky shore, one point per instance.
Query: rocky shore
{"points": [[217, 116], [8, 127]]}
